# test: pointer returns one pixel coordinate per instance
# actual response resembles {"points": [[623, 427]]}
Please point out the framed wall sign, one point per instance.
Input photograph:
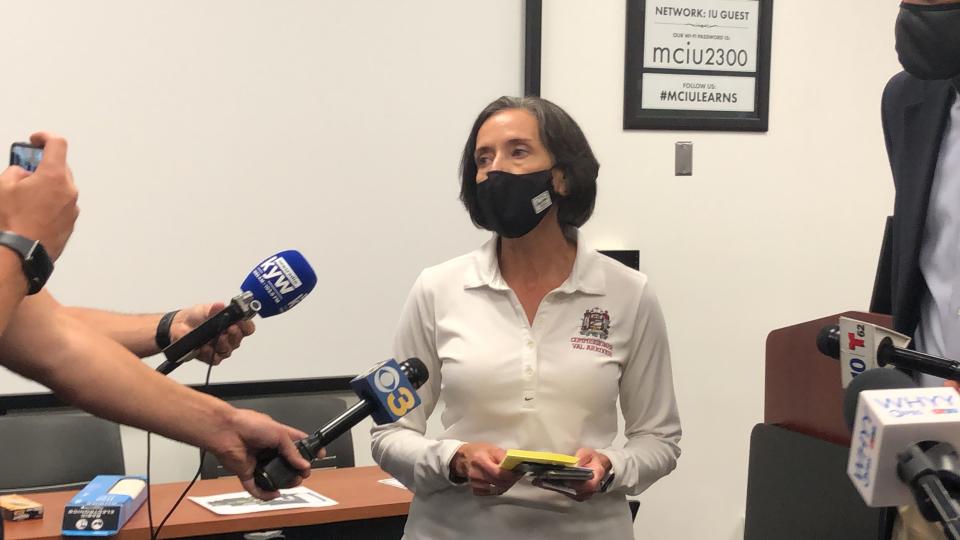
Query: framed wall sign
{"points": [[697, 64]]}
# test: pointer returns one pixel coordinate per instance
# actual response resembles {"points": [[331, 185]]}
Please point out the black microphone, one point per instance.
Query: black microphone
{"points": [[872, 379], [276, 285], [930, 469], [241, 307], [886, 353], [828, 341], [385, 393]]}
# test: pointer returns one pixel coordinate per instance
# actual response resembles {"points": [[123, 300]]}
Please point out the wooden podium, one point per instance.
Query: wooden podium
{"points": [[366, 509], [797, 485]]}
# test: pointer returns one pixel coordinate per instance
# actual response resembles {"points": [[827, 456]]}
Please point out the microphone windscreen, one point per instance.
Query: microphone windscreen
{"points": [[280, 282], [871, 379], [828, 341], [415, 370]]}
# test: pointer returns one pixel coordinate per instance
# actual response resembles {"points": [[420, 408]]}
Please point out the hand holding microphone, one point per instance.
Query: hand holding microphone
{"points": [[276, 285], [387, 393], [218, 349], [244, 435]]}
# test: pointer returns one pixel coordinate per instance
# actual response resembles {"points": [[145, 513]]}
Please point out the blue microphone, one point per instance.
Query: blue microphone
{"points": [[387, 393], [280, 282], [274, 286]]}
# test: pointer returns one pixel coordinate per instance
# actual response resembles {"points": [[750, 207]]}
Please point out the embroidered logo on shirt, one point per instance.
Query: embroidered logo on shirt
{"points": [[595, 327], [595, 323]]}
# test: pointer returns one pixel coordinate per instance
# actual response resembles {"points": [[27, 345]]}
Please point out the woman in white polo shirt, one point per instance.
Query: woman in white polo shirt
{"points": [[529, 341]]}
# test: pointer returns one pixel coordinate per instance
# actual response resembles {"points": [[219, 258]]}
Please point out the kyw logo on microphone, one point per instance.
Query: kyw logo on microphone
{"points": [[278, 276]]}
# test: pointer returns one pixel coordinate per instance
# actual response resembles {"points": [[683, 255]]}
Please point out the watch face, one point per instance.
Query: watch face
{"points": [[38, 267]]}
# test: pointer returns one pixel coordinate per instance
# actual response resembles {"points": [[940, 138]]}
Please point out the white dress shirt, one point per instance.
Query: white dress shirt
{"points": [[550, 386], [938, 332]]}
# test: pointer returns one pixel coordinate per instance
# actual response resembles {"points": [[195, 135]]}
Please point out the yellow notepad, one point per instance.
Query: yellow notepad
{"points": [[516, 457]]}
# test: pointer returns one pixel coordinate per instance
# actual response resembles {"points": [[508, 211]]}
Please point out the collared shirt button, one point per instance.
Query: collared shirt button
{"points": [[528, 370], [530, 343]]}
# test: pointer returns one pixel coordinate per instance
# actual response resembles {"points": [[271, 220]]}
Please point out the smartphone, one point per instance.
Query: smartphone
{"points": [[25, 155], [554, 472], [536, 469], [569, 473], [556, 486]]}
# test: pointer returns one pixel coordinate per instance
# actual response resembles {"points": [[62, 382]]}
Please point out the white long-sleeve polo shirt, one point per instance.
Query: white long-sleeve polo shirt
{"points": [[550, 386]]}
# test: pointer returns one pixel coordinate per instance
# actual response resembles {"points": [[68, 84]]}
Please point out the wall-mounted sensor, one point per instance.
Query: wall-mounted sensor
{"points": [[684, 158]]}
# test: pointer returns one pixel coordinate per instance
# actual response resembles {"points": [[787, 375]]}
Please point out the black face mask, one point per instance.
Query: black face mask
{"points": [[514, 204], [928, 40]]}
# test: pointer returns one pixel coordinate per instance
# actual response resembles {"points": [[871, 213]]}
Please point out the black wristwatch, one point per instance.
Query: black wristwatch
{"points": [[37, 265]]}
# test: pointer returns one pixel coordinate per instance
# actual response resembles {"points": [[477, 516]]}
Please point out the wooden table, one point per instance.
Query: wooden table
{"points": [[357, 490]]}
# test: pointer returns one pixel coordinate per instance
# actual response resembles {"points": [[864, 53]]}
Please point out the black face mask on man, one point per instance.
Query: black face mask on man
{"points": [[514, 204], [928, 40]]}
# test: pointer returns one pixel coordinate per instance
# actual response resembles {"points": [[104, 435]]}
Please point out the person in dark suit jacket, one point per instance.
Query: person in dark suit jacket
{"points": [[916, 112], [918, 277]]}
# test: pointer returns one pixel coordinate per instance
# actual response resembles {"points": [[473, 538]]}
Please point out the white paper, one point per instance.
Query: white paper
{"points": [[392, 482], [241, 502]]}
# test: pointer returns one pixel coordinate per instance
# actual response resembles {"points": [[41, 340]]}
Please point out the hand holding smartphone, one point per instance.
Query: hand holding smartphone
{"points": [[25, 155], [38, 199]]}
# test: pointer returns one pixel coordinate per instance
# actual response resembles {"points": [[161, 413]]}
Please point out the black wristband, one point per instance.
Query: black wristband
{"points": [[163, 330]]}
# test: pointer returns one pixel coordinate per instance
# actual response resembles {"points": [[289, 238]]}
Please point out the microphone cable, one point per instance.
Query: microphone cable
{"points": [[154, 535]]}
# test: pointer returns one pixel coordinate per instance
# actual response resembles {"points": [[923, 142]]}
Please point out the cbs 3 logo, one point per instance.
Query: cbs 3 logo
{"points": [[400, 399]]}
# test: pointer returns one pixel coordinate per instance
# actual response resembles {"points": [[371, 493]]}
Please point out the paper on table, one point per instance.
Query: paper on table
{"points": [[392, 482], [241, 502]]}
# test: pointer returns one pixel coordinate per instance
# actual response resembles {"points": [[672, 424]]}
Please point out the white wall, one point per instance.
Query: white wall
{"points": [[206, 136], [772, 229]]}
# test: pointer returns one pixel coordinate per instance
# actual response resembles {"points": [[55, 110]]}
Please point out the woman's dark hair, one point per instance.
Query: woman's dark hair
{"points": [[564, 140]]}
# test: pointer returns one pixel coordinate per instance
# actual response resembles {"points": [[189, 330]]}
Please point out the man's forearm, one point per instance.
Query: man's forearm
{"points": [[138, 333], [135, 332], [89, 370], [13, 286]]}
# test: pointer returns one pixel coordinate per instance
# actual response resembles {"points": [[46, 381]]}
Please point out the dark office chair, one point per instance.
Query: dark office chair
{"points": [[56, 450], [306, 412]]}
